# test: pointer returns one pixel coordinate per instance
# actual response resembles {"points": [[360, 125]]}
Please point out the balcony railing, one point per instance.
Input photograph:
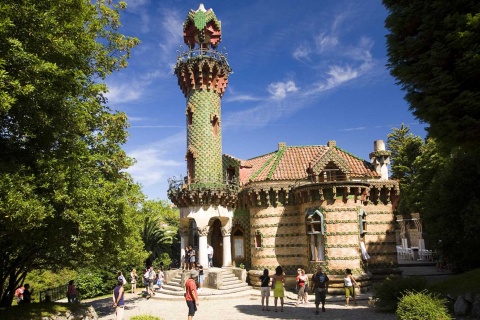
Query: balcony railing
{"points": [[181, 184], [185, 54]]}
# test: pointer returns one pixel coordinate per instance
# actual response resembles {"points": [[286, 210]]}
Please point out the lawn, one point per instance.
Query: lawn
{"points": [[459, 284], [40, 310]]}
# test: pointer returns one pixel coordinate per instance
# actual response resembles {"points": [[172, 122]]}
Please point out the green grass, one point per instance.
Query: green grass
{"points": [[459, 284], [39, 310]]}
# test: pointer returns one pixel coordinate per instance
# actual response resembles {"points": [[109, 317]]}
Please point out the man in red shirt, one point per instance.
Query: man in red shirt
{"points": [[191, 295]]}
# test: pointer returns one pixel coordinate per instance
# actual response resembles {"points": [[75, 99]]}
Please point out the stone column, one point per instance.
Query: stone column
{"points": [[202, 246], [184, 231], [227, 247]]}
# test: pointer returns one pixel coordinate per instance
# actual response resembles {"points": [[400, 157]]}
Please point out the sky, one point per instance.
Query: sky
{"points": [[304, 72]]}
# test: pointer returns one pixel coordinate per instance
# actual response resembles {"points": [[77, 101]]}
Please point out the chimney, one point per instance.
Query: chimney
{"points": [[331, 143], [281, 145], [380, 158]]}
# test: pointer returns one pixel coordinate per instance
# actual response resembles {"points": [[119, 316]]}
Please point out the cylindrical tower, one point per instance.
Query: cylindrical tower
{"points": [[202, 74], [205, 198]]}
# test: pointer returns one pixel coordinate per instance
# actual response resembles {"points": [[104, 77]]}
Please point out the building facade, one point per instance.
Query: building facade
{"points": [[297, 206]]}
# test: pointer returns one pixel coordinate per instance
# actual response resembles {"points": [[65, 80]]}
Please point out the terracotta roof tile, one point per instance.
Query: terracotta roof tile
{"points": [[292, 163]]}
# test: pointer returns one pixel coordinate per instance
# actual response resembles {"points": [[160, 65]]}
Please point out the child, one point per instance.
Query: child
{"points": [[199, 268]]}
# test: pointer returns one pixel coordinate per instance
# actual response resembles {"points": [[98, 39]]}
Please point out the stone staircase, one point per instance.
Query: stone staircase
{"points": [[229, 284]]}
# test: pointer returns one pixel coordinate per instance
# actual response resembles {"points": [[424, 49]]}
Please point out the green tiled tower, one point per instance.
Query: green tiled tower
{"points": [[202, 74]]}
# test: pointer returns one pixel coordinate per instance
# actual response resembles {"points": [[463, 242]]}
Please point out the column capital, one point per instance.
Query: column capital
{"points": [[226, 230], [184, 231], [203, 231]]}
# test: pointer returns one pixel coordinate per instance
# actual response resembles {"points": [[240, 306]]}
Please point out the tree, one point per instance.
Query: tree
{"points": [[65, 200], [405, 148], [450, 209], [433, 50], [160, 230]]}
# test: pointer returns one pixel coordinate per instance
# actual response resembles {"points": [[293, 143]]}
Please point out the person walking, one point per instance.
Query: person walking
{"points": [[118, 300], [300, 286], [320, 287], [160, 278], [186, 263], [191, 294], [210, 255], [201, 276], [71, 291], [133, 280], [192, 257], [278, 284], [151, 281], [349, 284], [27, 294], [305, 295], [265, 289]]}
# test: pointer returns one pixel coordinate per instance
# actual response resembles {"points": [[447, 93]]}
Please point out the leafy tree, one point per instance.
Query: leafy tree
{"points": [[65, 200], [405, 148], [450, 208], [160, 230], [433, 50]]}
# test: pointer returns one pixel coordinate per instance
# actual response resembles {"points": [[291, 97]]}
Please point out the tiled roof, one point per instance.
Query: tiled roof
{"points": [[292, 162]]}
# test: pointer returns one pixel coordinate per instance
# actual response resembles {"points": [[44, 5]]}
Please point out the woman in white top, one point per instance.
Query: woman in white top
{"points": [[349, 284]]}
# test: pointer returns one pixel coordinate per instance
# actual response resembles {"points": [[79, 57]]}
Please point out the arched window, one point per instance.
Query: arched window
{"points": [[314, 222]]}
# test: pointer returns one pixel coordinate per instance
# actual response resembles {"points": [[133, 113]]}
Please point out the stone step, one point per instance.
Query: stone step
{"points": [[169, 287], [233, 286]]}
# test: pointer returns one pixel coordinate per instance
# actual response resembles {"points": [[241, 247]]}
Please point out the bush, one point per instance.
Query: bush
{"points": [[388, 293], [144, 317], [422, 306]]}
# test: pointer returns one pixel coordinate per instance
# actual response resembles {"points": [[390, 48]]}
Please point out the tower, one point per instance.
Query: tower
{"points": [[203, 196]]}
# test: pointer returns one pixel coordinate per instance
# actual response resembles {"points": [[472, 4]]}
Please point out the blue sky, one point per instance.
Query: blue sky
{"points": [[304, 72]]}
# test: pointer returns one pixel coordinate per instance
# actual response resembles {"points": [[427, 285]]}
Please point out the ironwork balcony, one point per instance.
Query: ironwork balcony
{"points": [[185, 54], [182, 184]]}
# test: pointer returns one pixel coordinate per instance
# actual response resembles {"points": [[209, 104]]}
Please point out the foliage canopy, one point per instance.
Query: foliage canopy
{"points": [[433, 50], [64, 196]]}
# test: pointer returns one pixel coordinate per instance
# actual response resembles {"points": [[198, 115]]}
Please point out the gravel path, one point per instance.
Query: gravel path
{"points": [[241, 308]]}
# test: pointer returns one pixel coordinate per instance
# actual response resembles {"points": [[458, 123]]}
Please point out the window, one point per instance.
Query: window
{"points": [[258, 239], [191, 167], [215, 125], [315, 235], [189, 117], [362, 221], [230, 174], [238, 244]]}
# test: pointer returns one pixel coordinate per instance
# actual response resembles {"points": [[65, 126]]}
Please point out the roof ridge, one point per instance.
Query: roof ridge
{"points": [[275, 164], [256, 174]]}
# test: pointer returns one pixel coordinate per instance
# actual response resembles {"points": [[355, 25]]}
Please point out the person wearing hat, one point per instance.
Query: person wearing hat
{"points": [[118, 300], [191, 295]]}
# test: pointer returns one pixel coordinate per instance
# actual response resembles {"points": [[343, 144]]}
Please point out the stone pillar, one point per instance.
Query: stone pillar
{"points": [[184, 231], [202, 246], [227, 246], [380, 158]]}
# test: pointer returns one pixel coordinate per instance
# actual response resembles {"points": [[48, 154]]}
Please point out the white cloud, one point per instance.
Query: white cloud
{"points": [[241, 97], [336, 76], [325, 42], [125, 92], [302, 52], [154, 162], [353, 129], [279, 90]]}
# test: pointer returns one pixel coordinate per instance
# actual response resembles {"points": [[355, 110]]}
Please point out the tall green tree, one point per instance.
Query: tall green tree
{"points": [[65, 199], [405, 148], [160, 230], [434, 53]]}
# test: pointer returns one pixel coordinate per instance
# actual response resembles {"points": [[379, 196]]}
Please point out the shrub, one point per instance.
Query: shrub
{"points": [[388, 293], [144, 317], [422, 306]]}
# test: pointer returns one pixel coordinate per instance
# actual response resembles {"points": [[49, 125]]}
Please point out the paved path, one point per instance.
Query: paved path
{"points": [[249, 307], [240, 308]]}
